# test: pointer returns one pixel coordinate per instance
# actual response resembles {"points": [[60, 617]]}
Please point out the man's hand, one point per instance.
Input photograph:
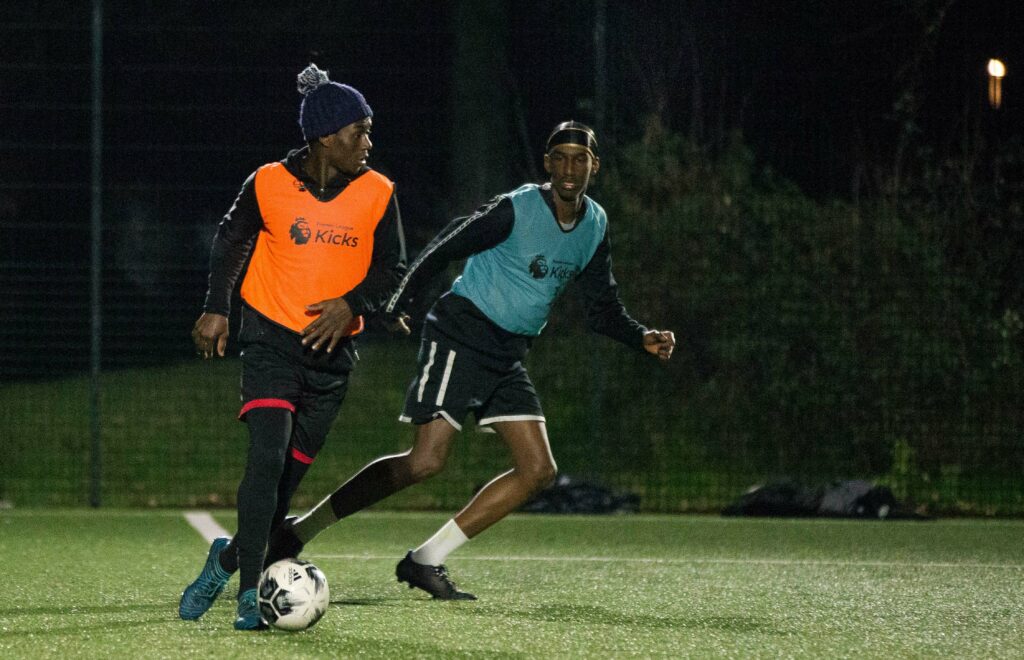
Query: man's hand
{"points": [[398, 323], [330, 326], [660, 343], [209, 334]]}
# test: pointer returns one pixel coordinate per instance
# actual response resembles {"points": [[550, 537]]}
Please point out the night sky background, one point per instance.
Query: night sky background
{"points": [[196, 95]]}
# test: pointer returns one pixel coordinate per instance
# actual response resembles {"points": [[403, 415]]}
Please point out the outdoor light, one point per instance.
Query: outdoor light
{"points": [[996, 71]]}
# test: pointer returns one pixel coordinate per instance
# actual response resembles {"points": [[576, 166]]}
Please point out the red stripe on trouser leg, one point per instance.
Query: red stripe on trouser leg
{"points": [[300, 457], [266, 403]]}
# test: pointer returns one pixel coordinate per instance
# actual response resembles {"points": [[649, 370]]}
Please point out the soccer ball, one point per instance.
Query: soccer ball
{"points": [[293, 594]]}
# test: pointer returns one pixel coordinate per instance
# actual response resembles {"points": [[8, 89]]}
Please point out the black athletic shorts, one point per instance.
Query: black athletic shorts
{"points": [[275, 375], [453, 379]]}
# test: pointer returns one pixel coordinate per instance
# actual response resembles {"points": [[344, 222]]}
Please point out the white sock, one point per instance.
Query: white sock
{"points": [[440, 545]]}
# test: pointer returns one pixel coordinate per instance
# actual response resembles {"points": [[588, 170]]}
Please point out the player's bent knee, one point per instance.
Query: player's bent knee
{"points": [[424, 467], [541, 476]]}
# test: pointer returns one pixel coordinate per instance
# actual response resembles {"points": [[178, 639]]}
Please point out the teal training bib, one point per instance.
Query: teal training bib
{"points": [[515, 282]]}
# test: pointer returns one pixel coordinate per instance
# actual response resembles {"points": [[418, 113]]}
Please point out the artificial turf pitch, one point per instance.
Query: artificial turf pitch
{"points": [[105, 583]]}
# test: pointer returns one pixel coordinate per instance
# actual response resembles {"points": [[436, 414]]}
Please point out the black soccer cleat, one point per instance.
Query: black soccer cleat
{"points": [[283, 543], [432, 579]]}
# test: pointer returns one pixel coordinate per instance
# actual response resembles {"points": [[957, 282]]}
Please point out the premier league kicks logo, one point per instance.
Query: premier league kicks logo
{"points": [[539, 267], [300, 231]]}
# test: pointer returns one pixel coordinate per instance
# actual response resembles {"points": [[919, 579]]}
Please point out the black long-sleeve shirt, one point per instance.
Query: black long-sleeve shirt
{"points": [[237, 234], [489, 226]]}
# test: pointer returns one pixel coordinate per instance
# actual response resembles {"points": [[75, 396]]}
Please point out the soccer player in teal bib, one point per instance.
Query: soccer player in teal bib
{"points": [[523, 248]]}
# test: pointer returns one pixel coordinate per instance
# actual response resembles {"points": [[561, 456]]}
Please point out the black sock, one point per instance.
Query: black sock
{"points": [[381, 478], [294, 471], [229, 556], [269, 432]]}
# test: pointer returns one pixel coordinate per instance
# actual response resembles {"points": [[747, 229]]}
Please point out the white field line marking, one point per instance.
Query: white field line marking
{"points": [[204, 523], [648, 560]]}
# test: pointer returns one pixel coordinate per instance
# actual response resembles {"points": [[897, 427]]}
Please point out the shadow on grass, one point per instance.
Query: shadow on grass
{"points": [[388, 601], [69, 614], [591, 614], [74, 610]]}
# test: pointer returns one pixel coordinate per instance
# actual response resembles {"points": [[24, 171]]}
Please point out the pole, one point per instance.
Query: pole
{"points": [[600, 64], [595, 420], [96, 256]]}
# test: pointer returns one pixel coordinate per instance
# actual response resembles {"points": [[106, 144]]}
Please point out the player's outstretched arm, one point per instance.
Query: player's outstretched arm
{"points": [[210, 334], [660, 343]]}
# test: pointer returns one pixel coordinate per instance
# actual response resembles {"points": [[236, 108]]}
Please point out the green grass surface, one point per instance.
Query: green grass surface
{"points": [[100, 584]]}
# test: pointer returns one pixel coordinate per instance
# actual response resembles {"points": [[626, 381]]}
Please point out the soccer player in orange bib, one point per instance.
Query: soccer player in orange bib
{"points": [[325, 239]]}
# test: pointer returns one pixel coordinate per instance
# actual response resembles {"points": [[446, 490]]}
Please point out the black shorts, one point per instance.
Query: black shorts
{"points": [[453, 380], [272, 377]]}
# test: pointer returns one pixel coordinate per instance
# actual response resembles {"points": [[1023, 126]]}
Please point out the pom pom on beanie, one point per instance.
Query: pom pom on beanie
{"points": [[327, 106]]}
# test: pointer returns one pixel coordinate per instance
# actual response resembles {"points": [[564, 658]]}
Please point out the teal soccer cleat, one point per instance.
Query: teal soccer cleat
{"points": [[249, 612], [199, 596]]}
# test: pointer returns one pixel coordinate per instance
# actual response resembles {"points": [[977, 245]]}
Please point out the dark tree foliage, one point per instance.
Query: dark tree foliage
{"points": [[830, 339]]}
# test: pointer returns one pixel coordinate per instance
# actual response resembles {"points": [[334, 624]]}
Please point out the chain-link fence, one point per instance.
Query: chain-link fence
{"points": [[795, 362]]}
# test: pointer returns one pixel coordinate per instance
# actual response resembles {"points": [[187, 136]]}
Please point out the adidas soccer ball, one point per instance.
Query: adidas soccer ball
{"points": [[293, 594]]}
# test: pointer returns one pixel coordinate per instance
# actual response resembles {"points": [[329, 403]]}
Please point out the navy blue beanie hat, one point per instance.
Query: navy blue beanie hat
{"points": [[328, 106]]}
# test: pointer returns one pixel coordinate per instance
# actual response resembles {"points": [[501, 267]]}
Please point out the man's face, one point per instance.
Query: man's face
{"points": [[348, 149], [570, 167]]}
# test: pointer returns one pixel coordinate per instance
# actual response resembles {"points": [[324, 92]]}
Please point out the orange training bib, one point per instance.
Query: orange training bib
{"points": [[308, 250]]}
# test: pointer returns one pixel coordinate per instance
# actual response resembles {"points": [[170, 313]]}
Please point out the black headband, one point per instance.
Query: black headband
{"points": [[573, 135]]}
